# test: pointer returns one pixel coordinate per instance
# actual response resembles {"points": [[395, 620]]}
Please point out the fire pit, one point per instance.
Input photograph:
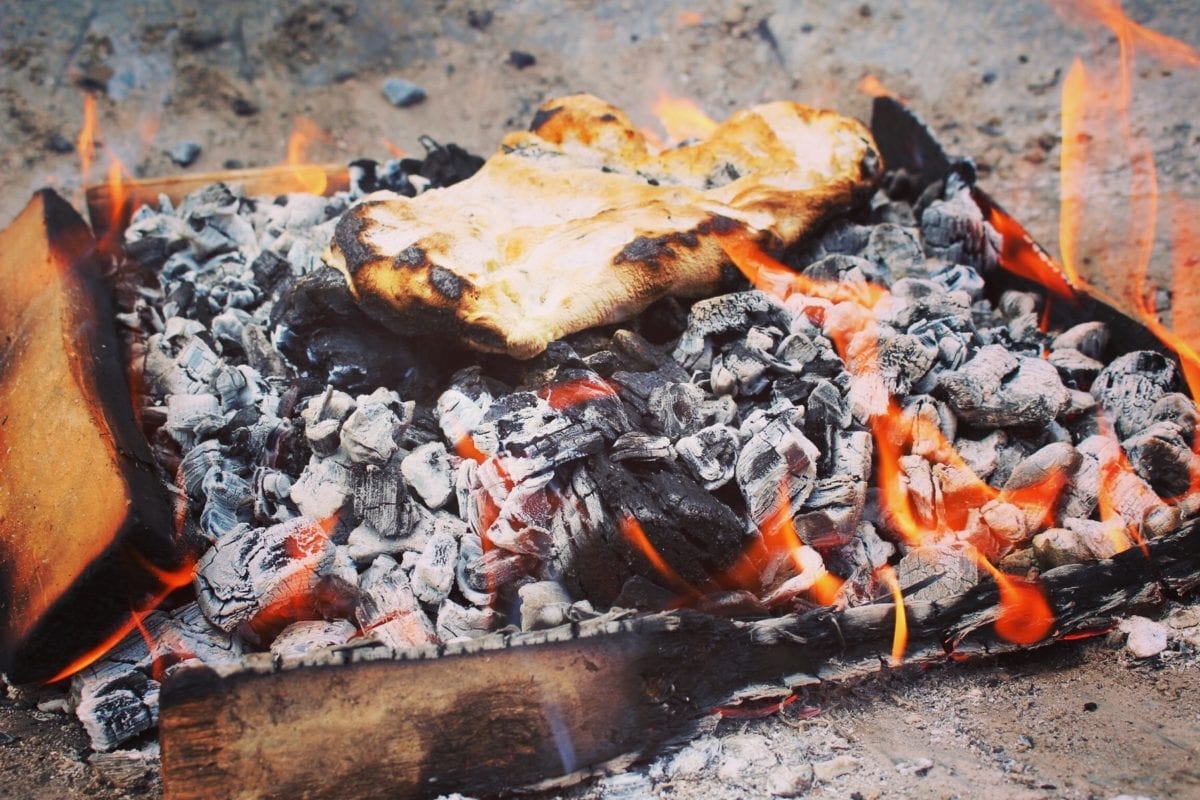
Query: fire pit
{"points": [[882, 419]]}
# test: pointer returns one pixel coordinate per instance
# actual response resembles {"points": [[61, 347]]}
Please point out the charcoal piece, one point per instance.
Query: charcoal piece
{"points": [[644, 594], [192, 417], [427, 470], [915, 300], [1039, 483], [226, 493], [739, 371], [955, 277], [324, 437], [318, 327], [711, 454], [323, 488], [433, 574], [443, 165], [301, 638], [777, 464], [997, 389], [1006, 524], [920, 489], [896, 250], [727, 314], [682, 409], [953, 572], [1162, 457], [832, 512], [903, 360], [194, 466], [331, 404], [1103, 539], [364, 543], [583, 397], [381, 498], [954, 230], [1128, 388], [238, 388], [250, 570], [826, 412], [468, 577], [229, 327], [840, 236], [270, 270], [1126, 493], [456, 622], [1077, 370], [544, 604], [639, 354], [260, 354], [1178, 410], [841, 268], [371, 433], [807, 573], [634, 446], [1058, 546], [927, 425], [118, 715], [796, 351], [388, 610], [694, 533], [1089, 338]]}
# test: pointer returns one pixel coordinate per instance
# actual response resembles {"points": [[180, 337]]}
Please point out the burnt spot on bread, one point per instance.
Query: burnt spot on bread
{"points": [[543, 116], [410, 257], [722, 225], [654, 251], [446, 283], [608, 117], [348, 240]]}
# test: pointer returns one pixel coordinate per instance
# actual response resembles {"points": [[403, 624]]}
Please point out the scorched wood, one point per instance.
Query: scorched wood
{"points": [[84, 519], [506, 711]]}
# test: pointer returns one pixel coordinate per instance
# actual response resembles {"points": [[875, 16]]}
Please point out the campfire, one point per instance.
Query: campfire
{"points": [[436, 451]]}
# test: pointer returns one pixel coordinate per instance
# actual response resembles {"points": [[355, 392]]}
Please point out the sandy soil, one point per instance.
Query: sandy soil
{"points": [[234, 76]]}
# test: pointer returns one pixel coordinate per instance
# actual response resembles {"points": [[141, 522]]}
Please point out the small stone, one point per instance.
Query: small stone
{"points": [[184, 154], [824, 771], [402, 93], [1146, 637], [520, 59], [57, 143]]}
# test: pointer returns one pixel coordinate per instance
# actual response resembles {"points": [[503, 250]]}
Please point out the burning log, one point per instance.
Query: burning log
{"points": [[508, 711], [576, 223], [86, 529]]}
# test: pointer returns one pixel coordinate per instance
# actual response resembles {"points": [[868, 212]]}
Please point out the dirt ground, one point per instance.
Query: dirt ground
{"points": [[235, 76]]}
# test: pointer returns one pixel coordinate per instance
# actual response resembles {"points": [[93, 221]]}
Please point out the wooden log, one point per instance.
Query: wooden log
{"points": [[82, 509], [502, 712], [110, 206]]}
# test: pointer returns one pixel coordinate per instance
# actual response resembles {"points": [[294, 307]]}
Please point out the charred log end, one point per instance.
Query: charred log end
{"points": [[82, 511]]}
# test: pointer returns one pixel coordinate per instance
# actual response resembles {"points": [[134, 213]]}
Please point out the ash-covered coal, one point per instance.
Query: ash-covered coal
{"points": [[343, 481]]}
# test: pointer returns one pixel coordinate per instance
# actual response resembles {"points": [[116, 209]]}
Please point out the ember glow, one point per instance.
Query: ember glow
{"points": [[631, 529], [1025, 616], [871, 86], [85, 144]]}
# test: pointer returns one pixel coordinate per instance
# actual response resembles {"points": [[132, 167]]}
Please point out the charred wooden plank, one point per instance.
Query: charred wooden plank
{"points": [[505, 711], [82, 510]]}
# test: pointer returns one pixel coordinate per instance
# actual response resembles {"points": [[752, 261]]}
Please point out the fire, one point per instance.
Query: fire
{"points": [[1025, 616], [900, 636], [682, 119], [575, 393], [169, 581], [305, 132], [690, 19], [394, 150], [85, 145], [871, 86], [631, 529]]}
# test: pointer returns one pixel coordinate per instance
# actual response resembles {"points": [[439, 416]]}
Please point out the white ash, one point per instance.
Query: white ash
{"points": [[429, 472], [305, 636]]}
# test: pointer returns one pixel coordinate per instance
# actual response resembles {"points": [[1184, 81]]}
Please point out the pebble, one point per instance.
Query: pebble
{"points": [[520, 59], [184, 154], [1146, 637], [402, 93], [833, 768]]}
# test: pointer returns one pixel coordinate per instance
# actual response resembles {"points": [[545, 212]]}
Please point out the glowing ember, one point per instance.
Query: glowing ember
{"points": [[85, 145], [305, 132], [871, 86]]}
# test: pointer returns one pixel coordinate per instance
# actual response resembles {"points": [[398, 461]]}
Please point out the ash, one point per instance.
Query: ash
{"points": [[339, 481]]}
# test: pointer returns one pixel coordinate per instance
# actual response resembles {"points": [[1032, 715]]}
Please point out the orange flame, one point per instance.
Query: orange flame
{"points": [[1025, 616], [682, 119], [690, 19], [871, 86], [169, 581], [900, 636], [85, 145], [631, 529], [311, 177], [395, 151]]}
